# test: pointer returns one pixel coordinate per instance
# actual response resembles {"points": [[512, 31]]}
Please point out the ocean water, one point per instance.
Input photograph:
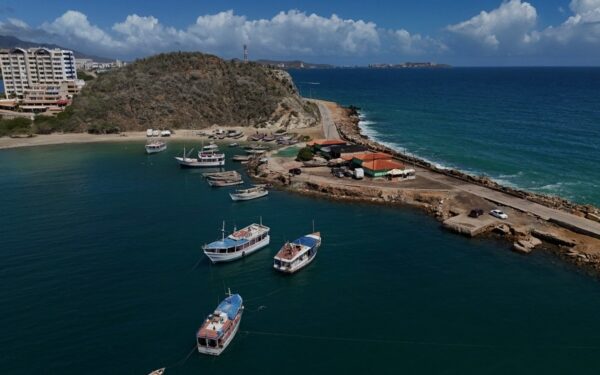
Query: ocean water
{"points": [[101, 272], [532, 128]]}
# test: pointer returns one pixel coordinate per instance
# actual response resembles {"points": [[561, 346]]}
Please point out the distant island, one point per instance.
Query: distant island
{"points": [[294, 64], [410, 65]]}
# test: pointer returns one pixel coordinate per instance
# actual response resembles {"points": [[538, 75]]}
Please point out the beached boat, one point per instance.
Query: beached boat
{"points": [[235, 134], [155, 146], [205, 159], [220, 327], [257, 137], [155, 133], [249, 194], [233, 144], [238, 244], [269, 138], [296, 255]]}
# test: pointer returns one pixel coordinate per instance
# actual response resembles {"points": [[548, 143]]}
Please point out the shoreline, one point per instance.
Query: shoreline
{"points": [[536, 222]]}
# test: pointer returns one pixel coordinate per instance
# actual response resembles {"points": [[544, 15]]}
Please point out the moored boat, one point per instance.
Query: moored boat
{"points": [[220, 327], [241, 157], [160, 371], [238, 244], [155, 146], [224, 183], [234, 144], [249, 194], [205, 159], [293, 256]]}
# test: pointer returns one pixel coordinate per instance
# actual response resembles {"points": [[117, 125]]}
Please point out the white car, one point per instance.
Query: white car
{"points": [[499, 214]]}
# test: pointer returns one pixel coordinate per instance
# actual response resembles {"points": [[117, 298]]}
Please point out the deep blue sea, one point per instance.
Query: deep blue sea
{"points": [[101, 272], [533, 128]]}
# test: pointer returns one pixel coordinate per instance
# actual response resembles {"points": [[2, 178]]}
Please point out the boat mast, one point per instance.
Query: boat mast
{"points": [[223, 231]]}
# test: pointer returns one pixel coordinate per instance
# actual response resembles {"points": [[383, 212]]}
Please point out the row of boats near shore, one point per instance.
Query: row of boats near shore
{"points": [[220, 327]]}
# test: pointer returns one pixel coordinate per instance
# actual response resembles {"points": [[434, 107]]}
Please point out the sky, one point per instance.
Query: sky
{"points": [[457, 32]]}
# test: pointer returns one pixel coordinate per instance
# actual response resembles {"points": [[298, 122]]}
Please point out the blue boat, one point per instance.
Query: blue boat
{"points": [[293, 256], [220, 327]]}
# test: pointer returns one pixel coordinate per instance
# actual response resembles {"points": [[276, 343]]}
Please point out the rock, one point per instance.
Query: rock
{"points": [[553, 238], [520, 248], [502, 229]]}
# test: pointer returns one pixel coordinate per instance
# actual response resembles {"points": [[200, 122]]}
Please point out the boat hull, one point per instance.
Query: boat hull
{"points": [[199, 164], [152, 150], [237, 198], [229, 257]]}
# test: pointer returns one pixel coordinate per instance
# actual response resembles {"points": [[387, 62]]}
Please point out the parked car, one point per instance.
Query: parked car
{"points": [[476, 212], [295, 171], [499, 214], [339, 174]]}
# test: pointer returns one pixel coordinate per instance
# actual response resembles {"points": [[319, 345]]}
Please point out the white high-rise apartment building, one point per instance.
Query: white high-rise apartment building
{"points": [[23, 69]]}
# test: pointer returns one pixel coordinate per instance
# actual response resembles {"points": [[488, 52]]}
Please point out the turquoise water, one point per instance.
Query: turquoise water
{"points": [[533, 128], [101, 272]]}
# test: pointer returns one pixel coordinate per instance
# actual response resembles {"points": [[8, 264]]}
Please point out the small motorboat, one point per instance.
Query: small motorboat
{"points": [[155, 146], [160, 371], [249, 194]]}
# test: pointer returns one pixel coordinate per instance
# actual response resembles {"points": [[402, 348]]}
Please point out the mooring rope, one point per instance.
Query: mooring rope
{"points": [[415, 342]]}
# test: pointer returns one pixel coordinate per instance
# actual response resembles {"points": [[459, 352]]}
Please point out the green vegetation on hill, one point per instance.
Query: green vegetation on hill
{"points": [[190, 90], [84, 76]]}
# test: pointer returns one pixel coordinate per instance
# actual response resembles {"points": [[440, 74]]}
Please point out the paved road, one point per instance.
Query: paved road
{"points": [[573, 222], [329, 128]]}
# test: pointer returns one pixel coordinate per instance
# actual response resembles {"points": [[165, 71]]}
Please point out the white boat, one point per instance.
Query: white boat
{"points": [[249, 194], [211, 147], [238, 244], [223, 183], [160, 371], [220, 327], [205, 159], [155, 146], [234, 144], [294, 256]]}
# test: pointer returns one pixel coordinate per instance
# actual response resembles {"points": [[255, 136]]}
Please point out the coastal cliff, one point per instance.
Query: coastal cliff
{"points": [[190, 90]]}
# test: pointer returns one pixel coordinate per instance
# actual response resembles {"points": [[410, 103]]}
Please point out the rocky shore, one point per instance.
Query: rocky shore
{"points": [[524, 231]]}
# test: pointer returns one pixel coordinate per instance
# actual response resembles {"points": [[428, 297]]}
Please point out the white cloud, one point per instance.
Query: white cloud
{"points": [[504, 27], [508, 31], [74, 28]]}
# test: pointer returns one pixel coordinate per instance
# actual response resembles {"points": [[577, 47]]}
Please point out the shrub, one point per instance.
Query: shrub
{"points": [[305, 154], [15, 126]]}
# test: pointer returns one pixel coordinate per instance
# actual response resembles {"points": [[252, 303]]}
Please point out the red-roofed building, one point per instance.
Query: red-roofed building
{"points": [[318, 143], [381, 167]]}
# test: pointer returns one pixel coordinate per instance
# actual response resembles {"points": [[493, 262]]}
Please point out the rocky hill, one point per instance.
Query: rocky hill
{"points": [[191, 90]]}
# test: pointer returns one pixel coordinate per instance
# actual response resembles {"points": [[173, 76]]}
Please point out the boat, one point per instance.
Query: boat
{"points": [[249, 194], [210, 147], [235, 134], [226, 175], [155, 146], [205, 159], [241, 157], [238, 244], [257, 136], [293, 256], [233, 144], [224, 183], [220, 327], [160, 371], [269, 138], [254, 151]]}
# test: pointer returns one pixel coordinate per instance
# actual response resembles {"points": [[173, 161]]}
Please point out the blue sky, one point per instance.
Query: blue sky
{"points": [[460, 32]]}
